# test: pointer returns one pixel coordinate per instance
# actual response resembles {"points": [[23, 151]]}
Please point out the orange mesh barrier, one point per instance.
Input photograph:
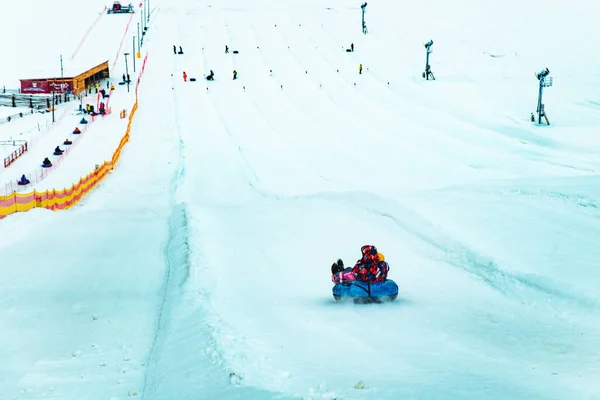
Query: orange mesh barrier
{"points": [[68, 197]]}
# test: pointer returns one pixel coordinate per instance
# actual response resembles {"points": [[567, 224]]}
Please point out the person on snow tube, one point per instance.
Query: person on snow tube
{"points": [[340, 274], [371, 267], [23, 180]]}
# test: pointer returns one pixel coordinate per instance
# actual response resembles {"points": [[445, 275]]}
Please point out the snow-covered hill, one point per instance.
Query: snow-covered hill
{"points": [[200, 267]]}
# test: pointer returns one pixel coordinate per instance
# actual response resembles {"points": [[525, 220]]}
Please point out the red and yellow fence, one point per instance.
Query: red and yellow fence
{"points": [[68, 197], [15, 154]]}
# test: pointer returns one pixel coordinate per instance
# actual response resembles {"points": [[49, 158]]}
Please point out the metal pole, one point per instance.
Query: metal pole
{"points": [[139, 36], [364, 25], [539, 106], [428, 51], [61, 67], [363, 18], [53, 86], [148, 10], [127, 72], [134, 54]]}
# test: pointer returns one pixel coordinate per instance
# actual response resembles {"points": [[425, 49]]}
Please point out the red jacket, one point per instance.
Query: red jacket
{"points": [[369, 268]]}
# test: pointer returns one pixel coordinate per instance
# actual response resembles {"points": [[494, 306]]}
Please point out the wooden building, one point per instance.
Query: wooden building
{"points": [[75, 85]]}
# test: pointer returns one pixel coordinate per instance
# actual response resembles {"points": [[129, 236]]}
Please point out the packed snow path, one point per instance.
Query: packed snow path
{"points": [[200, 267]]}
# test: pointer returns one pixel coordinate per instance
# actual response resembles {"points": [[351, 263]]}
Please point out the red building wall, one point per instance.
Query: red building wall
{"points": [[37, 86]]}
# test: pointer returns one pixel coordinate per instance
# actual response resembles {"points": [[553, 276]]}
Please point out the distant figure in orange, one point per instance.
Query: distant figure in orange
{"points": [[184, 76]]}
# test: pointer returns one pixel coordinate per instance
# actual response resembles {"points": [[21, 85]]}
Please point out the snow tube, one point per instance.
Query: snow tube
{"points": [[67, 142], [23, 183], [46, 165], [365, 292], [56, 153], [76, 132]]}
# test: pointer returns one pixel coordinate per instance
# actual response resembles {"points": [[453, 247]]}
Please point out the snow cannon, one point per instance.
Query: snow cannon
{"points": [[361, 292], [117, 8]]}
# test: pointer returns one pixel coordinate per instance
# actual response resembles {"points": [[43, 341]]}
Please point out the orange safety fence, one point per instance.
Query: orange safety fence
{"points": [[39, 174], [15, 154], [68, 197], [123, 40], [88, 32]]}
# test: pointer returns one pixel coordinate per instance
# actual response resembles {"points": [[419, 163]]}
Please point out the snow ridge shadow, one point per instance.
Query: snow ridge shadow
{"points": [[177, 273], [448, 250]]}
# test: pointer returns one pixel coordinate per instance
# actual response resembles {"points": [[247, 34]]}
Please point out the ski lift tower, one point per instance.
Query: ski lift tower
{"points": [[545, 81], [364, 25], [428, 74]]}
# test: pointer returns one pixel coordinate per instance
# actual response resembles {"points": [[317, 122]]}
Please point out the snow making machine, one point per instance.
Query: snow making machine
{"points": [[117, 8]]}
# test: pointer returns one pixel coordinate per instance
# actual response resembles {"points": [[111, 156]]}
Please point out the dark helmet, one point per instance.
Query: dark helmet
{"points": [[369, 250]]}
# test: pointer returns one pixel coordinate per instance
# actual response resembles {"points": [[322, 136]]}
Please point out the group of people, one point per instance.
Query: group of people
{"points": [[47, 163], [211, 75], [371, 267]]}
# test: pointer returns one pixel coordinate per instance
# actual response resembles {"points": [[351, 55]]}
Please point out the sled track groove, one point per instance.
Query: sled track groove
{"points": [[177, 272]]}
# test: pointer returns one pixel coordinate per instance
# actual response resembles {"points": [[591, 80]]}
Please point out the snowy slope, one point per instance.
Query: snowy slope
{"points": [[107, 38], [42, 32], [200, 267]]}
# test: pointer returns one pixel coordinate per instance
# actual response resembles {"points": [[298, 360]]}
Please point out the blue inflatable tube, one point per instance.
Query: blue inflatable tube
{"points": [[365, 292]]}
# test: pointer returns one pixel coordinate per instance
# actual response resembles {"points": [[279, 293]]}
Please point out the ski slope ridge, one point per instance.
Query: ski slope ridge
{"points": [[200, 267]]}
